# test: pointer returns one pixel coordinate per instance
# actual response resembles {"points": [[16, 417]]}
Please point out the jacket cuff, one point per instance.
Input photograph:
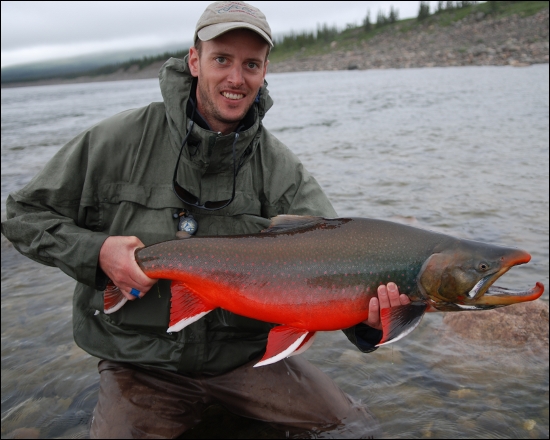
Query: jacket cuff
{"points": [[89, 272], [101, 279]]}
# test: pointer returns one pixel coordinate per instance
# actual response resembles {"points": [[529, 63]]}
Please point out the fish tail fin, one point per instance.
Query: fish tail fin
{"points": [[113, 298], [186, 307], [398, 322], [282, 341]]}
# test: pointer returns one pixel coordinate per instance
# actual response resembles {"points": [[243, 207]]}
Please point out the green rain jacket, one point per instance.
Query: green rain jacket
{"points": [[115, 179]]}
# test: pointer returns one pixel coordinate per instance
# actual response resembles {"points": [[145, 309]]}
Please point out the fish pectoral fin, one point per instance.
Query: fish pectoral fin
{"points": [[282, 341], [186, 307], [398, 322], [113, 298]]}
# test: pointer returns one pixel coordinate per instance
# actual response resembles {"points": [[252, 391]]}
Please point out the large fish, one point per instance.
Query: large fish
{"points": [[311, 274]]}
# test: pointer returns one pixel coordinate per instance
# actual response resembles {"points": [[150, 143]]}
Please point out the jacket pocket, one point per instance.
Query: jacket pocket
{"points": [[140, 210], [147, 213]]}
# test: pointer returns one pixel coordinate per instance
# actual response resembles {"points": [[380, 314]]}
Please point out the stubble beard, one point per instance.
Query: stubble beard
{"points": [[211, 112]]}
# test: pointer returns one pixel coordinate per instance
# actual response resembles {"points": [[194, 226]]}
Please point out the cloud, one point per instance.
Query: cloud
{"points": [[33, 31]]}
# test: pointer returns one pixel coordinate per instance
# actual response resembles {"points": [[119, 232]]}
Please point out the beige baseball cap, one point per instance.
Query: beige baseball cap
{"points": [[221, 17]]}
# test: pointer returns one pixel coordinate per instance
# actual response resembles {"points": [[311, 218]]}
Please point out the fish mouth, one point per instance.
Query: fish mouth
{"points": [[484, 295], [501, 296]]}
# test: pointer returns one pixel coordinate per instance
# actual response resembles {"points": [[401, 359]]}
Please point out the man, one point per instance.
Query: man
{"points": [[114, 189]]}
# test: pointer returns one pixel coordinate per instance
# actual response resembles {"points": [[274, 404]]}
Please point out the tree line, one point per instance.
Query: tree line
{"points": [[326, 34]]}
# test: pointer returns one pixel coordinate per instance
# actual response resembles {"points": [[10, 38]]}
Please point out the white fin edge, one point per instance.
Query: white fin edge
{"points": [[305, 346], [117, 307], [185, 322], [283, 354], [402, 335]]}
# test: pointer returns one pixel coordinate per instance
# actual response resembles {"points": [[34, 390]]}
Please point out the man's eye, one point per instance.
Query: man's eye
{"points": [[252, 65], [221, 60]]}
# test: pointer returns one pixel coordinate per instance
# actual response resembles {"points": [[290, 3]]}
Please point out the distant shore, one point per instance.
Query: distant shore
{"points": [[477, 40], [474, 41]]}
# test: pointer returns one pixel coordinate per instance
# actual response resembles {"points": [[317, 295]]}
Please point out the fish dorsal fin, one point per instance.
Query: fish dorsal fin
{"points": [[290, 223], [398, 322], [282, 341], [186, 307]]}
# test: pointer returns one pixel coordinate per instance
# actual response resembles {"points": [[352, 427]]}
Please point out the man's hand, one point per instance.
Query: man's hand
{"points": [[116, 258], [388, 296]]}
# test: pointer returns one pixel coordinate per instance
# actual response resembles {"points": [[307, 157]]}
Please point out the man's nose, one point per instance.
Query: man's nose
{"points": [[236, 76]]}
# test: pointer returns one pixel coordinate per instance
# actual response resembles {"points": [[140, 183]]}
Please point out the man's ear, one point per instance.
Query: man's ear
{"points": [[194, 61]]}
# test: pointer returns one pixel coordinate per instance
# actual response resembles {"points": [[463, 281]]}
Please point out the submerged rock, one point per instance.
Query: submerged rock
{"points": [[514, 326]]}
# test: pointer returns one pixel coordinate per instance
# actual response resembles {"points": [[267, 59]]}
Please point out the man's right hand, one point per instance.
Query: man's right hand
{"points": [[117, 260]]}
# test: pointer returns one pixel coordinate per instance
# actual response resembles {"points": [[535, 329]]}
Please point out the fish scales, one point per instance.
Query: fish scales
{"points": [[311, 274], [293, 277]]}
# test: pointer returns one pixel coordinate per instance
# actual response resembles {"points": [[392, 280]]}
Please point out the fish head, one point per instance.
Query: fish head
{"points": [[460, 276]]}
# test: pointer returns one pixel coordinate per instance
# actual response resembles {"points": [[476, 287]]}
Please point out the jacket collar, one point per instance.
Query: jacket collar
{"points": [[206, 150]]}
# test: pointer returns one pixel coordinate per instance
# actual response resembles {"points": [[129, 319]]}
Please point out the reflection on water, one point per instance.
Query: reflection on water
{"points": [[459, 150]]}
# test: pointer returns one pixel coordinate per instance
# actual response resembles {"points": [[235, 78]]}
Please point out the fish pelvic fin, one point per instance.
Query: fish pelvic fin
{"points": [[113, 298], [282, 342], [398, 322], [186, 307], [306, 343]]}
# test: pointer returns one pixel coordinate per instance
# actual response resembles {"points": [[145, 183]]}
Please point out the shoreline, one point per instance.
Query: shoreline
{"points": [[473, 41]]}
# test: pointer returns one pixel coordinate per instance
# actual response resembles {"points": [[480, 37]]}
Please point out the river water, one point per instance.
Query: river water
{"points": [[460, 150]]}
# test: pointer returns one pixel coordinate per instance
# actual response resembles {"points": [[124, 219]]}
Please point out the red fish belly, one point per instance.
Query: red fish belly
{"points": [[313, 309]]}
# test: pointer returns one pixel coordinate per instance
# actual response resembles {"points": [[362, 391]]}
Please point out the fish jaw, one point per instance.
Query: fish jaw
{"points": [[485, 295], [500, 296], [462, 277]]}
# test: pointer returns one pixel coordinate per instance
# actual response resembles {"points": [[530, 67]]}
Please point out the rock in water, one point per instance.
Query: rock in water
{"points": [[515, 326]]}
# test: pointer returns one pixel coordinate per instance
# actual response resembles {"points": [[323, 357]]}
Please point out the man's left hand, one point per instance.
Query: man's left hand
{"points": [[388, 296]]}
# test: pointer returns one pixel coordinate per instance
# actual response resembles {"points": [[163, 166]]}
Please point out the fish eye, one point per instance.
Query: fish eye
{"points": [[483, 266]]}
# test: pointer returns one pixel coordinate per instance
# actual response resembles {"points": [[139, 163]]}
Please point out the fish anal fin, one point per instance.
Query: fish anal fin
{"points": [[186, 307], [113, 299], [282, 341], [398, 322]]}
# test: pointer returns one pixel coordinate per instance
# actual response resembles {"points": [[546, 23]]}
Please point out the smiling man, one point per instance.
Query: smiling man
{"points": [[231, 70], [202, 162]]}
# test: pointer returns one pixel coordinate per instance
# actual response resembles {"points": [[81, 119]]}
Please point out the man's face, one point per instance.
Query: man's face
{"points": [[230, 70]]}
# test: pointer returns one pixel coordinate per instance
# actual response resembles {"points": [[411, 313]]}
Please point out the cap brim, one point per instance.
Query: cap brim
{"points": [[215, 30]]}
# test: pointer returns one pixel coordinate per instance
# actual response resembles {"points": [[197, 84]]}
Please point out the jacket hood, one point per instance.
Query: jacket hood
{"points": [[207, 151]]}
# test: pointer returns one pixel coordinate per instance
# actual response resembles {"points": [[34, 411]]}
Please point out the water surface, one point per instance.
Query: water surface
{"points": [[459, 150]]}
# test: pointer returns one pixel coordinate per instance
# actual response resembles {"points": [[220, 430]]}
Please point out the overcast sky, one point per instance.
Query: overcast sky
{"points": [[38, 31]]}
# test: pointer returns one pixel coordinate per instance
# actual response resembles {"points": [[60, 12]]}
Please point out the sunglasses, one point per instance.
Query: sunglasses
{"points": [[192, 200]]}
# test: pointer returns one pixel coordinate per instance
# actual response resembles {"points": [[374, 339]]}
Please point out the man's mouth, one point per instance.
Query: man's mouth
{"points": [[233, 95]]}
